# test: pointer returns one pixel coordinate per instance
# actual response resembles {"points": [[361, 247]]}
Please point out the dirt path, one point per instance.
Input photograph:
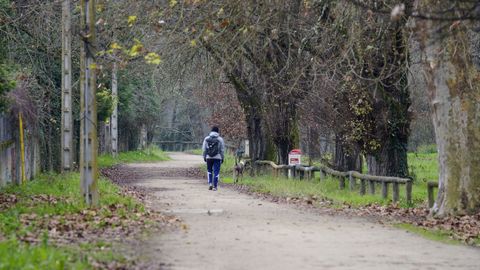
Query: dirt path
{"points": [[228, 230]]}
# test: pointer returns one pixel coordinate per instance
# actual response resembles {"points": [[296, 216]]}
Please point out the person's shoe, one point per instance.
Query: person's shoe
{"points": [[210, 188], [214, 189]]}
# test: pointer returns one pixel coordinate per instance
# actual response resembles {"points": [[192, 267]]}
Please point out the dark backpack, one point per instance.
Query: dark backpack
{"points": [[212, 146]]}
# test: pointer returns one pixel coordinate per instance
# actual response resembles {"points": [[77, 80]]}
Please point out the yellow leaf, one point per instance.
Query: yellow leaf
{"points": [[131, 20], [173, 3], [153, 58], [93, 66], [100, 7], [135, 50], [193, 43], [115, 46]]}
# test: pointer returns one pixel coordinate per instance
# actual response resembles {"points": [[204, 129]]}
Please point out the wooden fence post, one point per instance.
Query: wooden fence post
{"points": [[301, 174], [363, 187], [342, 182], [384, 190], [322, 175], [352, 181], [396, 192], [371, 185], [408, 187]]}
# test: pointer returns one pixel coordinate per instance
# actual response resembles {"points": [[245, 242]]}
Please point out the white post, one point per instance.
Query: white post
{"points": [[67, 121], [88, 107], [114, 117]]}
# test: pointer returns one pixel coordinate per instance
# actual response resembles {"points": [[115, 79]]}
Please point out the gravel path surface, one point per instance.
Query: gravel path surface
{"points": [[229, 230]]}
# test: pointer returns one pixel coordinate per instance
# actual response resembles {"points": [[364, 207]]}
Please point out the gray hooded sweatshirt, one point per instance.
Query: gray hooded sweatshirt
{"points": [[221, 146]]}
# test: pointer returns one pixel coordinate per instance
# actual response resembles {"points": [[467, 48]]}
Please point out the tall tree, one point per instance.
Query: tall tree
{"points": [[452, 67]]}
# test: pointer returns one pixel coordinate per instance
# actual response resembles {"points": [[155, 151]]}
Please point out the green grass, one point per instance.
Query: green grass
{"points": [[228, 163], [17, 255], [423, 166], [435, 235], [151, 154], [325, 189], [66, 190]]}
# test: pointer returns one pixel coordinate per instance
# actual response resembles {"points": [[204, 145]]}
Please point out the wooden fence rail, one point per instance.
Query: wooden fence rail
{"points": [[309, 172], [182, 146]]}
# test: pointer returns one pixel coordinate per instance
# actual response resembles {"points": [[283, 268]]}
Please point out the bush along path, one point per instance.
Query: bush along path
{"points": [[230, 230], [45, 225]]}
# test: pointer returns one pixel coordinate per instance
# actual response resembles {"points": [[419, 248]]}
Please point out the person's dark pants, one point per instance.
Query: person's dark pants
{"points": [[213, 168]]}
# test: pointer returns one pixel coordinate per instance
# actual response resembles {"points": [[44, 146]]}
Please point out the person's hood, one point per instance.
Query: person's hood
{"points": [[214, 134]]}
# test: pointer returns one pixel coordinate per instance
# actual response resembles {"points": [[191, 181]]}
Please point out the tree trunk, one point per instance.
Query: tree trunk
{"points": [[391, 102], [256, 133], [251, 100], [346, 158], [67, 119], [391, 160], [283, 127], [453, 85]]}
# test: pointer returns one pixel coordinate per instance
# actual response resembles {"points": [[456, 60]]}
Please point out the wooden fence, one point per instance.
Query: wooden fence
{"points": [[177, 146], [182, 146], [10, 152], [301, 172]]}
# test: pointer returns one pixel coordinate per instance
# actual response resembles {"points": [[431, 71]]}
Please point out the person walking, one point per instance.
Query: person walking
{"points": [[213, 154]]}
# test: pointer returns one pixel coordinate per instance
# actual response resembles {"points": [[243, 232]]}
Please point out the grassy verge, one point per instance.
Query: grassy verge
{"points": [[435, 235], [423, 167], [327, 189], [25, 209], [51, 195], [151, 154], [17, 255]]}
